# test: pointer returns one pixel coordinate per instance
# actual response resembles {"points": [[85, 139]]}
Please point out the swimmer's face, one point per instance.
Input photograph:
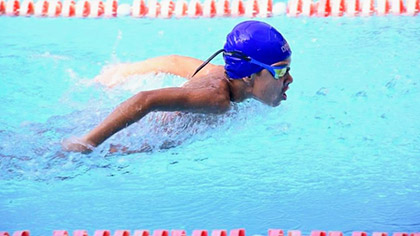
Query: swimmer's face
{"points": [[269, 90]]}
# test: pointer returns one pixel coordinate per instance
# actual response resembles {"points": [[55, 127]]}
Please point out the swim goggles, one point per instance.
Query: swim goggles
{"points": [[276, 71]]}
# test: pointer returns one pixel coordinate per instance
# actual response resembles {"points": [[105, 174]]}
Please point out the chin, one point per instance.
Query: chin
{"points": [[275, 103]]}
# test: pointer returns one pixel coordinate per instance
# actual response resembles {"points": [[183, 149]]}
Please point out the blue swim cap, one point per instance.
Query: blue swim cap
{"points": [[257, 40]]}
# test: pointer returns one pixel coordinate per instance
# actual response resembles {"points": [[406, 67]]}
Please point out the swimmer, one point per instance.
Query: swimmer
{"points": [[257, 64]]}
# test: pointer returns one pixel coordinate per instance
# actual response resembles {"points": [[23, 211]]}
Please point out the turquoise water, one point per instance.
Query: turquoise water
{"points": [[342, 153]]}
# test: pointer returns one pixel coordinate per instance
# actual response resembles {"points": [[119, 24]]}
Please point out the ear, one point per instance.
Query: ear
{"points": [[249, 80]]}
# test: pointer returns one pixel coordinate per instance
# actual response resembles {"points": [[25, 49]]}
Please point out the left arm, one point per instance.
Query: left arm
{"points": [[205, 100]]}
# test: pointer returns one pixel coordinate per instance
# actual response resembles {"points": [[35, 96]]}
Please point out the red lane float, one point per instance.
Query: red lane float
{"points": [[2, 11], [122, 233], [219, 233], [199, 232], [359, 234], [102, 233], [323, 10], [80, 233], [237, 232], [141, 233], [21, 233], [139, 8], [160, 232], [318, 233]]}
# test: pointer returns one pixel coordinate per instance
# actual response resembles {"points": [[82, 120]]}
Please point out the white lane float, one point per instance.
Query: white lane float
{"points": [[209, 8], [167, 8], [237, 8], [124, 9], [279, 8], [181, 8], [26, 8], [69, 8], [251, 8], [153, 7], [110, 8], [397, 7], [222, 8], [83, 8], [54, 8], [367, 8], [97, 9], [294, 8], [352, 7], [265, 8], [195, 9], [337, 8], [12, 7], [413, 7], [382, 7], [41, 8]]}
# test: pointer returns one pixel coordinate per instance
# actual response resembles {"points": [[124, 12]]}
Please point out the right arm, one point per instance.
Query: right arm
{"points": [[174, 64]]}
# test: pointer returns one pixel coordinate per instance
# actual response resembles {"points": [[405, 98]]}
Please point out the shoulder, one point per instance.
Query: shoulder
{"points": [[213, 87]]}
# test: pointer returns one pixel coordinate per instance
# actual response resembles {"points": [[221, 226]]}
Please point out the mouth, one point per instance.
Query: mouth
{"points": [[283, 96], [283, 93]]}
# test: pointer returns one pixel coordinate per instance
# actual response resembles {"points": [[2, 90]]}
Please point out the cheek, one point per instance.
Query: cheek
{"points": [[272, 90]]}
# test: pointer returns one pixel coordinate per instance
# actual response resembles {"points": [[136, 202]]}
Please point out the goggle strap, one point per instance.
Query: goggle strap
{"points": [[207, 61]]}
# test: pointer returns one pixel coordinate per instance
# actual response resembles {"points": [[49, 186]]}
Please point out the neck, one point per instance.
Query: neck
{"points": [[239, 90]]}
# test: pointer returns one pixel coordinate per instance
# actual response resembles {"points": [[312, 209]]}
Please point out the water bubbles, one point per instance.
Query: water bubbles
{"points": [[322, 91]]}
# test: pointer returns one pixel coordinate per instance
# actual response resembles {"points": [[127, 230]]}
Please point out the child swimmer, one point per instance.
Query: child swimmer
{"points": [[257, 64]]}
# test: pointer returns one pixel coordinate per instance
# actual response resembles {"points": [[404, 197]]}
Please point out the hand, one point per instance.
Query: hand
{"points": [[112, 75], [75, 144]]}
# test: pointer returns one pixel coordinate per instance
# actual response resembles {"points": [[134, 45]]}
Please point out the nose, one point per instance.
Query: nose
{"points": [[288, 80]]}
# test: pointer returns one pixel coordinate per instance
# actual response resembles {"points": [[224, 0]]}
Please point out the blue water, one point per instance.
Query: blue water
{"points": [[342, 153]]}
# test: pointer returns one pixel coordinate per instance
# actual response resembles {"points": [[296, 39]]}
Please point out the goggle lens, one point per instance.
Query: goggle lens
{"points": [[279, 73]]}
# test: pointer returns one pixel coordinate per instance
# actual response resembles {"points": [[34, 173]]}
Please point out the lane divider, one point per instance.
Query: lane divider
{"points": [[209, 8], [234, 232]]}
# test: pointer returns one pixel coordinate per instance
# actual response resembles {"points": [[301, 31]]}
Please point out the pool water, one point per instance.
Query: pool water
{"points": [[342, 153]]}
